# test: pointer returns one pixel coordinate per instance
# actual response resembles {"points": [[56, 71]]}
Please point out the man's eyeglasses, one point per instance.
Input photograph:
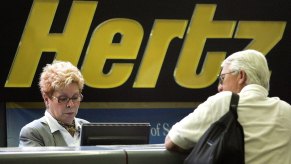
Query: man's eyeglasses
{"points": [[65, 100], [221, 76]]}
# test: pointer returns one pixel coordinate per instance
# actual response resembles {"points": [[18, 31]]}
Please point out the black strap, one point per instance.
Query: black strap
{"points": [[233, 104]]}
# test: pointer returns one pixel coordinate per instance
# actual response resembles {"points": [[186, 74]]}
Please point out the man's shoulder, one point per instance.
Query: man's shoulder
{"points": [[221, 96]]}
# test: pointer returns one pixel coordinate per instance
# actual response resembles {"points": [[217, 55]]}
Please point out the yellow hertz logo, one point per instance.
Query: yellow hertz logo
{"points": [[69, 45]]}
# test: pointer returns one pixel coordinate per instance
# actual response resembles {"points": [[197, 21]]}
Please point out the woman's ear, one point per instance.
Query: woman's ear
{"points": [[45, 99]]}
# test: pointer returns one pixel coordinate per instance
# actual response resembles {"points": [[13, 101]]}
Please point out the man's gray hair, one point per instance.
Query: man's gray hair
{"points": [[253, 63]]}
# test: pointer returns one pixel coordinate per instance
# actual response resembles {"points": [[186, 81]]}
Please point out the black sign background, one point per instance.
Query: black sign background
{"points": [[15, 13]]}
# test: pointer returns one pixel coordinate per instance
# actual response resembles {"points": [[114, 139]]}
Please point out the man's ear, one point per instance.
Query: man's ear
{"points": [[242, 77]]}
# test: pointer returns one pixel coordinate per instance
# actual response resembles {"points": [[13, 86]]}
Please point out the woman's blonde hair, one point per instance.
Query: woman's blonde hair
{"points": [[59, 75]]}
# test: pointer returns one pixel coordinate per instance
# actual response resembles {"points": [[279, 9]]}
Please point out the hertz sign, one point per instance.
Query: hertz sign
{"points": [[143, 50]]}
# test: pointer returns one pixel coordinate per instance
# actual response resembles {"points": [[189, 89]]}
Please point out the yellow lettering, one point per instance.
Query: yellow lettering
{"points": [[37, 39], [201, 27], [101, 48], [158, 44], [118, 41], [265, 34]]}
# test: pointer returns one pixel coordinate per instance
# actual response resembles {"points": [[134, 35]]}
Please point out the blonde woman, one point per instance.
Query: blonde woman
{"points": [[61, 86]]}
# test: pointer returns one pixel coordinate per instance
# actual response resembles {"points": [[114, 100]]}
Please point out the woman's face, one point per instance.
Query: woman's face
{"points": [[61, 109]]}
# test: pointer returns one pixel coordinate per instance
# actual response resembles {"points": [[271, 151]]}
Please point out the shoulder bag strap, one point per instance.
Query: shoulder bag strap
{"points": [[233, 104]]}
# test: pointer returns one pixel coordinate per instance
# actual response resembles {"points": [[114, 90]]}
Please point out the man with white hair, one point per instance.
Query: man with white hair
{"points": [[266, 120]]}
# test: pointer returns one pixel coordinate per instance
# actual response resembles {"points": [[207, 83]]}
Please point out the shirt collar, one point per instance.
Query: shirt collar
{"points": [[55, 126], [52, 122], [259, 90]]}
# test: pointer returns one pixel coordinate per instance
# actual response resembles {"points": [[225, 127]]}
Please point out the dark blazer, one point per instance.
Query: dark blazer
{"points": [[38, 133]]}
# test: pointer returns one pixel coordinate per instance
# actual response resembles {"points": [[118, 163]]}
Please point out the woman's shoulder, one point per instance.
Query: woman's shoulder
{"points": [[82, 121], [36, 123]]}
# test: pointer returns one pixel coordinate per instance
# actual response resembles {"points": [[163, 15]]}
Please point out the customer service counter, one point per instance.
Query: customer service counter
{"points": [[118, 154]]}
